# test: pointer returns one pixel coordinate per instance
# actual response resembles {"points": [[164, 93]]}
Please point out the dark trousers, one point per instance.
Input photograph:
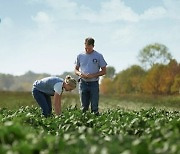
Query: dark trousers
{"points": [[43, 100], [89, 93]]}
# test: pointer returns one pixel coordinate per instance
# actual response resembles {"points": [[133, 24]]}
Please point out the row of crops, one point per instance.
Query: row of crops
{"points": [[114, 131]]}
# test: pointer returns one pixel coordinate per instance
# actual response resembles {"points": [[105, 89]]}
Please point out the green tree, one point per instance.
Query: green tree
{"points": [[153, 54], [110, 72], [6, 81]]}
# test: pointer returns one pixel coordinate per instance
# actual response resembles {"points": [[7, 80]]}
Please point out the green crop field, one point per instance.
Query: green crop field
{"points": [[127, 125], [14, 100]]}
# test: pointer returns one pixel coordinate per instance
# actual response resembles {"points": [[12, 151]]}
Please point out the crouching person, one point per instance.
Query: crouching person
{"points": [[51, 86]]}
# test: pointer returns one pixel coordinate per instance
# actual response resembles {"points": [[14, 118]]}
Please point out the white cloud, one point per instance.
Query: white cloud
{"points": [[46, 26], [42, 17], [115, 10], [62, 4], [111, 11], [63, 9], [154, 13]]}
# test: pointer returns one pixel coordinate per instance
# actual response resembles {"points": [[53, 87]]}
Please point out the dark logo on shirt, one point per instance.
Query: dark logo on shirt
{"points": [[95, 61]]}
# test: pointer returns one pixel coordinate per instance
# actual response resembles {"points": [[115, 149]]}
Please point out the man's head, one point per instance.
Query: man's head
{"points": [[89, 41], [89, 45]]}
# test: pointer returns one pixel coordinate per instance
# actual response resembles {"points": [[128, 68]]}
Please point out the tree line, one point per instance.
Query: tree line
{"points": [[158, 74], [24, 82]]}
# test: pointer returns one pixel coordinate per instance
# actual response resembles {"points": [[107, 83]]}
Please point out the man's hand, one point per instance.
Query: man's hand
{"points": [[85, 76], [102, 72], [90, 76]]}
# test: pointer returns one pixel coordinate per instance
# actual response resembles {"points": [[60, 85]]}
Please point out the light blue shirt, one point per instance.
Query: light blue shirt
{"points": [[90, 63], [49, 85]]}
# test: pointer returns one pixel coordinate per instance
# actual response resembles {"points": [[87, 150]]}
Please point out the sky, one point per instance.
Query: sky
{"points": [[45, 36]]}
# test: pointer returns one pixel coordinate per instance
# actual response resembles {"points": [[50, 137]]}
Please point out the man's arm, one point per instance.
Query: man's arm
{"points": [[100, 73], [77, 72], [81, 75], [57, 103]]}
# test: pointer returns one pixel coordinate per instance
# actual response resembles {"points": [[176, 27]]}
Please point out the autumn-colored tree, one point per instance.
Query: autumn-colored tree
{"points": [[106, 86], [129, 80], [169, 73], [160, 78], [153, 79], [175, 88]]}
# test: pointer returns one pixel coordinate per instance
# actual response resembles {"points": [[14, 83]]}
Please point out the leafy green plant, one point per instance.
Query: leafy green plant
{"points": [[115, 131]]}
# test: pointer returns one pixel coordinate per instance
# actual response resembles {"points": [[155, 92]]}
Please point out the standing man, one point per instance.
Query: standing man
{"points": [[89, 66]]}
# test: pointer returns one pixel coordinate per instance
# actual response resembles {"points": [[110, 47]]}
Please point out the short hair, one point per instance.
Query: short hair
{"points": [[89, 41]]}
